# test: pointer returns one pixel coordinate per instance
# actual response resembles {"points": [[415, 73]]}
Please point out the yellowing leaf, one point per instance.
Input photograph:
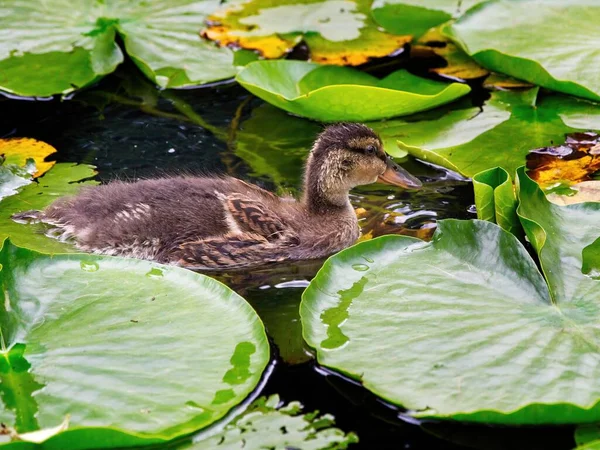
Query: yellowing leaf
{"points": [[501, 81], [18, 150], [270, 47], [339, 32], [572, 162], [459, 65]]}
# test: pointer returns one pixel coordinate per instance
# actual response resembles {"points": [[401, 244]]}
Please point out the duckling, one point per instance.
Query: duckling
{"points": [[223, 222]]}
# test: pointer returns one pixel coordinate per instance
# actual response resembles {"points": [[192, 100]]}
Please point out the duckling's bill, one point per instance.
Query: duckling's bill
{"points": [[397, 176]]}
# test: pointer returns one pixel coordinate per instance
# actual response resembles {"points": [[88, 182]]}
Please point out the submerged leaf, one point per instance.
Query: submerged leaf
{"points": [[45, 51], [501, 134], [269, 425], [132, 363], [336, 31], [465, 326], [332, 93], [550, 43]]}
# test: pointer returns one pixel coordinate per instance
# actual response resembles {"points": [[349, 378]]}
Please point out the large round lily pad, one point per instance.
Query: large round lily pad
{"points": [[465, 326], [333, 93], [57, 46], [134, 352], [551, 43]]}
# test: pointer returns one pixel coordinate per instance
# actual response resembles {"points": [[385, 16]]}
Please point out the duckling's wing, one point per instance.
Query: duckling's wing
{"points": [[230, 250], [255, 216]]}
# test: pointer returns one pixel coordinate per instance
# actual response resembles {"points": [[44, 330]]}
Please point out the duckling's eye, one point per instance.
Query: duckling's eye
{"points": [[370, 149]]}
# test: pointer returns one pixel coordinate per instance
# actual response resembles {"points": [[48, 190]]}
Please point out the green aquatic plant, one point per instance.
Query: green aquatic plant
{"points": [[501, 133], [550, 43], [333, 93], [466, 326], [118, 352], [58, 46]]}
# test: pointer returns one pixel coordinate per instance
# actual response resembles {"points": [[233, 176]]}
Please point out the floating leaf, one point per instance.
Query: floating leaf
{"points": [[150, 371], [515, 37], [45, 51], [63, 179], [336, 31], [332, 93], [495, 199], [417, 16], [19, 150], [471, 140], [268, 424], [465, 326], [574, 161]]}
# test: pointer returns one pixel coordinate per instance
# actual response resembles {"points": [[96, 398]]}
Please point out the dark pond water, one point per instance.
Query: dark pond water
{"points": [[128, 130]]}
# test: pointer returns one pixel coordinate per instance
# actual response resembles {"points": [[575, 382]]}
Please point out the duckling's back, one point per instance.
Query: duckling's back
{"points": [[145, 219]]}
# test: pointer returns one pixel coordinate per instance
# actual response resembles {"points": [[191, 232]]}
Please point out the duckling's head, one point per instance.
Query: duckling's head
{"points": [[346, 155]]}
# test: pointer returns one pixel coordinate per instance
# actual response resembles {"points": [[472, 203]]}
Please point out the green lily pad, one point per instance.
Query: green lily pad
{"points": [[545, 42], [269, 424], [333, 93], [46, 51], [133, 362], [417, 16], [470, 140], [588, 436], [465, 327], [495, 199], [62, 179]]}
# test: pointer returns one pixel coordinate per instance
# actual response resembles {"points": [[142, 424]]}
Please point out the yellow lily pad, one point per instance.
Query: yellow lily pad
{"points": [[339, 32], [19, 150]]}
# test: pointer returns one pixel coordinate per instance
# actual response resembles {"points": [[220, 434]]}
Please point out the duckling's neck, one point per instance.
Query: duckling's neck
{"points": [[324, 191]]}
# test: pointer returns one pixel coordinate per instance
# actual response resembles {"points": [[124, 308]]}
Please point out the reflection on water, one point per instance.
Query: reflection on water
{"points": [[130, 130]]}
